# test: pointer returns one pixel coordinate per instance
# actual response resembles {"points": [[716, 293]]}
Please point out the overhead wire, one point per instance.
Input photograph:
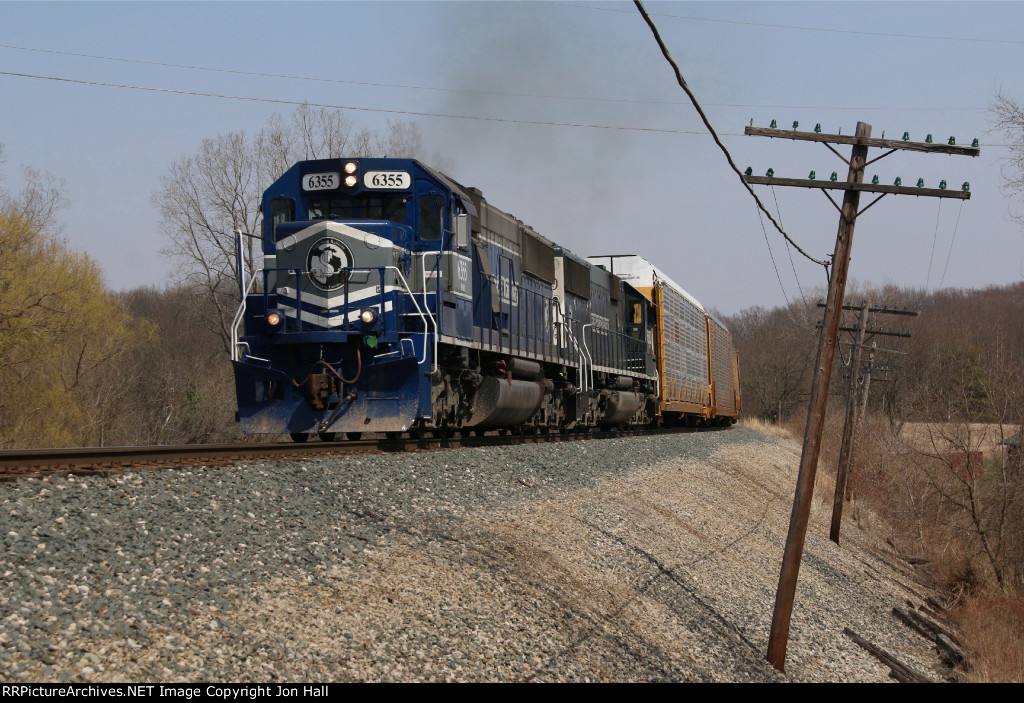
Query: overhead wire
{"points": [[890, 35], [415, 113], [935, 238], [789, 251], [714, 134], [359, 108], [474, 91], [760, 218], [951, 241]]}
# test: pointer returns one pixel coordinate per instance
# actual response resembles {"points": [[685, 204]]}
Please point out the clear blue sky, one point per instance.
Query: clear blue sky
{"points": [[666, 196]]}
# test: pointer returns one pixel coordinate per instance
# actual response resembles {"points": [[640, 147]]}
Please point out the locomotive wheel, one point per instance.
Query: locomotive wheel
{"points": [[354, 436], [328, 436], [480, 432], [299, 437], [393, 435]]}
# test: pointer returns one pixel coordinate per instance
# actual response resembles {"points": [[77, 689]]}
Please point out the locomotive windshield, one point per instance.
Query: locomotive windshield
{"points": [[358, 207]]}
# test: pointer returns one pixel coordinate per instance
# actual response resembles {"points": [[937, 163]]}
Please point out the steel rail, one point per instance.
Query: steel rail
{"points": [[36, 463]]}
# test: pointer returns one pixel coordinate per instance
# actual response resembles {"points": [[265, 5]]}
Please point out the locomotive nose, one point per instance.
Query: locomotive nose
{"points": [[335, 273]]}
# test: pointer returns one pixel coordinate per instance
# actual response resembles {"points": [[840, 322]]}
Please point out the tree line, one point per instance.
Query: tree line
{"points": [[963, 342]]}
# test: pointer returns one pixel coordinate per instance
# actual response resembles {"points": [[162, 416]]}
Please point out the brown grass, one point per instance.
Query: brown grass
{"points": [[759, 425], [993, 626]]}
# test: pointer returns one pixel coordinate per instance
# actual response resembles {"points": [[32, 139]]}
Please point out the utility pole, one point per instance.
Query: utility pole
{"points": [[846, 448], [852, 416], [853, 187], [864, 399], [864, 391]]}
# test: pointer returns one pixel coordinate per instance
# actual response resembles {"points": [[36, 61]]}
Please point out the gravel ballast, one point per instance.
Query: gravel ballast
{"points": [[635, 559]]}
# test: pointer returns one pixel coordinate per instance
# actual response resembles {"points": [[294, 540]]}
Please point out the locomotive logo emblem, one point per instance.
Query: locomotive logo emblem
{"points": [[326, 262]]}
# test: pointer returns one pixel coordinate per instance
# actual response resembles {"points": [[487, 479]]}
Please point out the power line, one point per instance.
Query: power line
{"points": [[935, 238], [508, 120], [415, 113], [714, 135], [318, 79], [891, 35], [951, 241], [760, 218], [789, 250]]}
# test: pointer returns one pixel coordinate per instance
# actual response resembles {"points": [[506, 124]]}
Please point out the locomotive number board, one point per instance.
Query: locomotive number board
{"points": [[321, 181], [387, 180]]}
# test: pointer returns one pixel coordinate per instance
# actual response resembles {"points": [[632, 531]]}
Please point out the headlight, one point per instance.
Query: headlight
{"points": [[275, 321], [351, 181], [350, 167], [368, 316]]}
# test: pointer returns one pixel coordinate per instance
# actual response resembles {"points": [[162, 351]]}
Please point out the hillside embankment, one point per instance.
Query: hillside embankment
{"points": [[635, 559]]}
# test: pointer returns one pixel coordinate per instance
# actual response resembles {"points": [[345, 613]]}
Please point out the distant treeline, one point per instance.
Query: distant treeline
{"points": [[965, 353]]}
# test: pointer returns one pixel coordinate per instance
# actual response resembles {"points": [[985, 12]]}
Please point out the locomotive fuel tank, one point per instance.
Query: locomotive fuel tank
{"points": [[619, 406], [504, 403]]}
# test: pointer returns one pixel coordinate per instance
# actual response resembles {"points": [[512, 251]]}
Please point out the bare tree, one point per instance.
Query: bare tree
{"points": [[305, 134], [777, 352], [39, 201], [203, 200], [1008, 120], [205, 197]]}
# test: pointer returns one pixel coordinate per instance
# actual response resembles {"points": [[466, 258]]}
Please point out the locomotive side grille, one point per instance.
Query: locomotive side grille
{"points": [[577, 278], [538, 258]]}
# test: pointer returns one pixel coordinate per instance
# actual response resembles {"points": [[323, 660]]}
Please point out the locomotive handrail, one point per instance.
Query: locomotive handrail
{"points": [[584, 387], [412, 297], [586, 350], [437, 279], [235, 344], [238, 265], [243, 291]]}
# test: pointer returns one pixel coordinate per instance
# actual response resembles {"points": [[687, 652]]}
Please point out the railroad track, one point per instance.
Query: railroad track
{"points": [[35, 463]]}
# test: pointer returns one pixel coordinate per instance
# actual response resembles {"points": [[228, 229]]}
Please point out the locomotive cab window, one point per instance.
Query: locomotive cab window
{"points": [[431, 212], [347, 207], [385, 207], [342, 207], [281, 210], [638, 314], [635, 329]]}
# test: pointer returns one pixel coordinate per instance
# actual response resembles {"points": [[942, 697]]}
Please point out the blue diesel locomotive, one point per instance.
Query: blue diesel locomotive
{"points": [[393, 299]]}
